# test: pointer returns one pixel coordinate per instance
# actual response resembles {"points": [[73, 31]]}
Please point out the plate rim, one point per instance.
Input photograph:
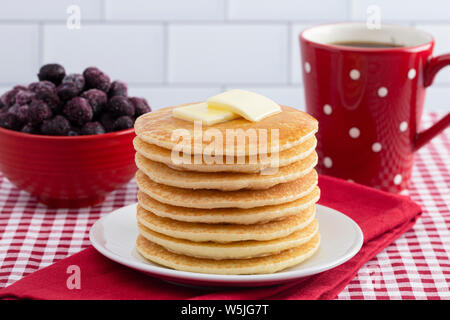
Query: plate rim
{"points": [[165, 272]]}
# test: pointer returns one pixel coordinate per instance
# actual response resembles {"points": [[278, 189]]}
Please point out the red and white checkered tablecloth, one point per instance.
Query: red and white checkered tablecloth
{"points": [[416, 266]]}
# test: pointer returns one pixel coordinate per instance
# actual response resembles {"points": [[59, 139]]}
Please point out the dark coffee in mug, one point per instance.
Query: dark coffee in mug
{"points": [[360, 44]]}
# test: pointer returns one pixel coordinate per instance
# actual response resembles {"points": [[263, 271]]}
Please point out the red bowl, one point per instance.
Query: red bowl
{"points": [[67, 172]]}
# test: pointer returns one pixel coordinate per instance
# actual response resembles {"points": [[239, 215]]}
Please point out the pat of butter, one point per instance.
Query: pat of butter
{"points": [[250, 105], [201, 112]]}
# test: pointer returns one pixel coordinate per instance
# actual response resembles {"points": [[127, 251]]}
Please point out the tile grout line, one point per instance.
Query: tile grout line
{"points": [[226, 10], [289, 54], [104, 21], [166, 53], [350, 7], [40, 43], [103, 11]]}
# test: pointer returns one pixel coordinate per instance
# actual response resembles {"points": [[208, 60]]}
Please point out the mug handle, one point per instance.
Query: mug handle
{"points": [[434, 65]]}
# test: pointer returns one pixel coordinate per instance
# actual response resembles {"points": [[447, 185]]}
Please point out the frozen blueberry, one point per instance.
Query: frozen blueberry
{"points": [[118, 88], [58, 126], [140, 106], [74, 130], [29, 128], [120, 106], [24, 97], [67, 91], [52, 72], [41, 86], [46, 91], [78, 111], [92, 128], [38, 111], [107, 121], [10, 121], [54, 103], [9, 97], [97, 99], [3, 107], [72, 133], [122, 123], [76, 79], [20, 87], [96, 79], [22, 112]]}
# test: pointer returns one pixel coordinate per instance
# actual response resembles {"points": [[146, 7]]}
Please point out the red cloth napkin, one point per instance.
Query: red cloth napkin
{"points": [[382, 217]]}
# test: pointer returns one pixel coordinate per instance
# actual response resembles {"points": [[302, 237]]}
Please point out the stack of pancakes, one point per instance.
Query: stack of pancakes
{"points": [[227, 218]]}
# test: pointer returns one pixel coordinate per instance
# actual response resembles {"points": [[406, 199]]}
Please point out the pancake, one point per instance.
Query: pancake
{"points": [[228, 215], [226, 232], [259, 265], [286, 157], [225, 181], [233, 250], [209, 199], [294, 127]]}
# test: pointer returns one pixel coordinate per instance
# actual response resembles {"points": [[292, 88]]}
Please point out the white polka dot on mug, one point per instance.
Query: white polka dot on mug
{"points": [[327, 162], [307, 67]]}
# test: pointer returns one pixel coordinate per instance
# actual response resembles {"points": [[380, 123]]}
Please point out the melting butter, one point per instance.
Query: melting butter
{"points": [[201, 112], [250, 105]]}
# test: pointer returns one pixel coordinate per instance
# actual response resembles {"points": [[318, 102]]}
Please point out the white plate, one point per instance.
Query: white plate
{"points": [[115, 234]]}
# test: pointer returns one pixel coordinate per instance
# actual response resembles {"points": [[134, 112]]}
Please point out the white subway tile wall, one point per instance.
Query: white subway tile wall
{"points": [[165, 10], [403, 10], [176, 51], [133, 53], [173, 95], [287, 10], [224, 53], [19, 52], [48, 10]]}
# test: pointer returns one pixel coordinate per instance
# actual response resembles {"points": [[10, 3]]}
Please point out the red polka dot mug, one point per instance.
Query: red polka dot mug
{"points": [[369, 100]]}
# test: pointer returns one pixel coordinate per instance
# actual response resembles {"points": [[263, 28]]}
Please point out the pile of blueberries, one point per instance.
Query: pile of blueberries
{"points": [[70, 105]]}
